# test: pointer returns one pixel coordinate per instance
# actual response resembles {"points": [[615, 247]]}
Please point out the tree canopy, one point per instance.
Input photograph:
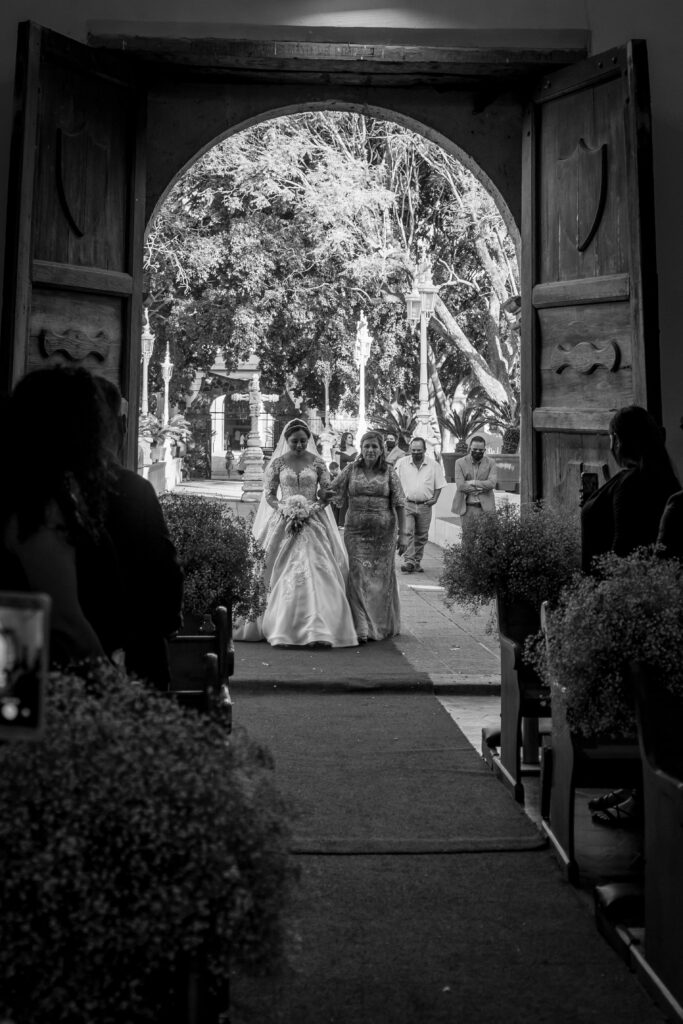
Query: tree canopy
{"points": [[279, 236]]}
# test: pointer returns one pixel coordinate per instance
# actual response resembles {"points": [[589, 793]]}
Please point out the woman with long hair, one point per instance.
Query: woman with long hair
{"points": [[374, 531], [624, 514], [346, 452], [52, 534], [306, 565]]}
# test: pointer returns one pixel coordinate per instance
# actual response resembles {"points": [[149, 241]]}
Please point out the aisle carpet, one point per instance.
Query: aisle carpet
{"points": [[370, 667], [383, 934], [382, 773]]}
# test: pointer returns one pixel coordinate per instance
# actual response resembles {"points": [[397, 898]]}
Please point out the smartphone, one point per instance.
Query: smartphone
{"points": [[24, 658]]}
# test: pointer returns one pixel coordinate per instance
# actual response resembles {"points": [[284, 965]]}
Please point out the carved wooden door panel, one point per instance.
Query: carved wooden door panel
{"points": [[589, 320], [73, 276]]}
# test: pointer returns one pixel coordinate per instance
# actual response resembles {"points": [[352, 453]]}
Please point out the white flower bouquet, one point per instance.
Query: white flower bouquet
{"points": [[297, 511]]}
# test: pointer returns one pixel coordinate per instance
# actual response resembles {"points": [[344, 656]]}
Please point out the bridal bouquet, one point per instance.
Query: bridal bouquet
{"points": [[297, 511]]}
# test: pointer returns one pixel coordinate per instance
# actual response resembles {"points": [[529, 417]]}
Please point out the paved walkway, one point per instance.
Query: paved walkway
{"points": [[448, 645]]}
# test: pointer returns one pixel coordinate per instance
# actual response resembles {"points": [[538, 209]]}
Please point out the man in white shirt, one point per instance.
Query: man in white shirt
{"points": [[422, 479], [476, 477]]}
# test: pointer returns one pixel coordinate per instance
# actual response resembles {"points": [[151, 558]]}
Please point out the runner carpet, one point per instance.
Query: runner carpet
{"points": [[375, 666], [425, 896], [381, 773]]}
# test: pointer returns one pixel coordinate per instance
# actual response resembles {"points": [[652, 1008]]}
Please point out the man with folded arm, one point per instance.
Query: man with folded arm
{"points": [[476, 477]]}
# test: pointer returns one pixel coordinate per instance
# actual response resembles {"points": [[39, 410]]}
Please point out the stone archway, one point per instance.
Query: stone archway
{"points": [[184, 124], [176, 154]]}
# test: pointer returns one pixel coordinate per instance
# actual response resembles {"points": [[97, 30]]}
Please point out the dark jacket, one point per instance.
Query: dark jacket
{"points": [[152, 578], [624, 514], [670, 534]]}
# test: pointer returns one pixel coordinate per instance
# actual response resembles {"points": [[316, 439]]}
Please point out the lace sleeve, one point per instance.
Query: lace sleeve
{"points": [[396, 496], [272, 482], [340, 486], [323, 472]]}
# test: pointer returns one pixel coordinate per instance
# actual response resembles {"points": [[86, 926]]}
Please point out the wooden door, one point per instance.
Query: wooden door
{"points": [[72, 291], [589, 287]]}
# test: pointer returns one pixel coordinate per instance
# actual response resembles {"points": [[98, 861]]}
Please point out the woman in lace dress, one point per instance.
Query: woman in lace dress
{"points": [[306, 569], [374, 531]]}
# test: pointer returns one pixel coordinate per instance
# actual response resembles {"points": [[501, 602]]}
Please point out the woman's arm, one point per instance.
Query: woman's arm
{"points": [[337, 488], [397, 499], [272, 483]]}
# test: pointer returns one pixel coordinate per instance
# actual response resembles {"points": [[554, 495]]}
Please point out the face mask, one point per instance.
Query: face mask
{"points": [[477, 456], [418, 456], [390, 444]]}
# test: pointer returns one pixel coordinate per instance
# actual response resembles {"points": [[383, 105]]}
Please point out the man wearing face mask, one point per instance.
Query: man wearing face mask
{"points": [[476, 477], [392, 452], [422, 479]]}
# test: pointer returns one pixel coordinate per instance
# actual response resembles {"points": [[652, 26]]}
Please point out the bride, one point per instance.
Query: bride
{"points": [[306, 563]]}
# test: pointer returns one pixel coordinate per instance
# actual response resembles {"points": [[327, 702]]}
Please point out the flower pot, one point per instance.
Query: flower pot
{"points": [[659, 716], [517, 619]]}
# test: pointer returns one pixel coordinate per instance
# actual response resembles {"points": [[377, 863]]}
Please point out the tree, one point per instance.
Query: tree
{"points": [[462, 425], [276, 239], [397, 417]]}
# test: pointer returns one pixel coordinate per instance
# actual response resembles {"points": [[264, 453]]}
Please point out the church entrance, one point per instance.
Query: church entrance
{"points": [[562, 142]]}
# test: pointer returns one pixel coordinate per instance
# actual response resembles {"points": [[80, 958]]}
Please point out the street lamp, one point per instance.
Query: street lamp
{"points": [[166, 373], [362, 350], [147, 344], [420, 303]]}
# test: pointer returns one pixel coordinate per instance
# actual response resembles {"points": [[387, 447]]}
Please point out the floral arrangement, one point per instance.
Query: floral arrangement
{"points": [[296, 510], [526, 554], [221, 561], [630, 612], [140, 842]]}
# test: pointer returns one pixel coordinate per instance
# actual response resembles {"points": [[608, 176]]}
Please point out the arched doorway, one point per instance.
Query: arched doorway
{"points": [[312, 219], [549, 134]]}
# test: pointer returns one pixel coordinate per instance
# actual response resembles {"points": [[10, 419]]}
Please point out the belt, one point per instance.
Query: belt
{"points": [[473, 504], [413, 502]]}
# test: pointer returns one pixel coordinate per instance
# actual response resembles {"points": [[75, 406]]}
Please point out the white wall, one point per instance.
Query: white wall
{"points": [[534, 22]]}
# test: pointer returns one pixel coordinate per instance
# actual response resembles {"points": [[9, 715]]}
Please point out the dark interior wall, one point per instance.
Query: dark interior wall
{"points": [[184, 120]]}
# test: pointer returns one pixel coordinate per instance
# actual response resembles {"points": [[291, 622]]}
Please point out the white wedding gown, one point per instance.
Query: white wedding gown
{"points": [[305, 572]]}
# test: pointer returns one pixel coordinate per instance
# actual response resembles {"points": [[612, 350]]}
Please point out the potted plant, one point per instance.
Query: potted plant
{"points": [[630, 612], [221, 561], [150, 431], [177, 431], [518, 557], [145, 857]]}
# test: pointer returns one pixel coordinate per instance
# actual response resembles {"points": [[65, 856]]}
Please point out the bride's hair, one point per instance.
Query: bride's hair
{"points": [[297, 425]]}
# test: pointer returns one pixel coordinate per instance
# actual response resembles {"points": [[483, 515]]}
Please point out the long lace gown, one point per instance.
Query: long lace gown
{"points": [[305, 572], [370, 534]]}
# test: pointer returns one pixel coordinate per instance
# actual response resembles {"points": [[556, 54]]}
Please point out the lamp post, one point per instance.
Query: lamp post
{"points": [[147, 344], [166, 373], [362, 350], [420, 304]]}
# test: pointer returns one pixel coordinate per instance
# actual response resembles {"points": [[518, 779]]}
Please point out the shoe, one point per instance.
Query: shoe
{"points": [[627, 815], [362, 639], [407, 567], [418, 568], [607, 800]]}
